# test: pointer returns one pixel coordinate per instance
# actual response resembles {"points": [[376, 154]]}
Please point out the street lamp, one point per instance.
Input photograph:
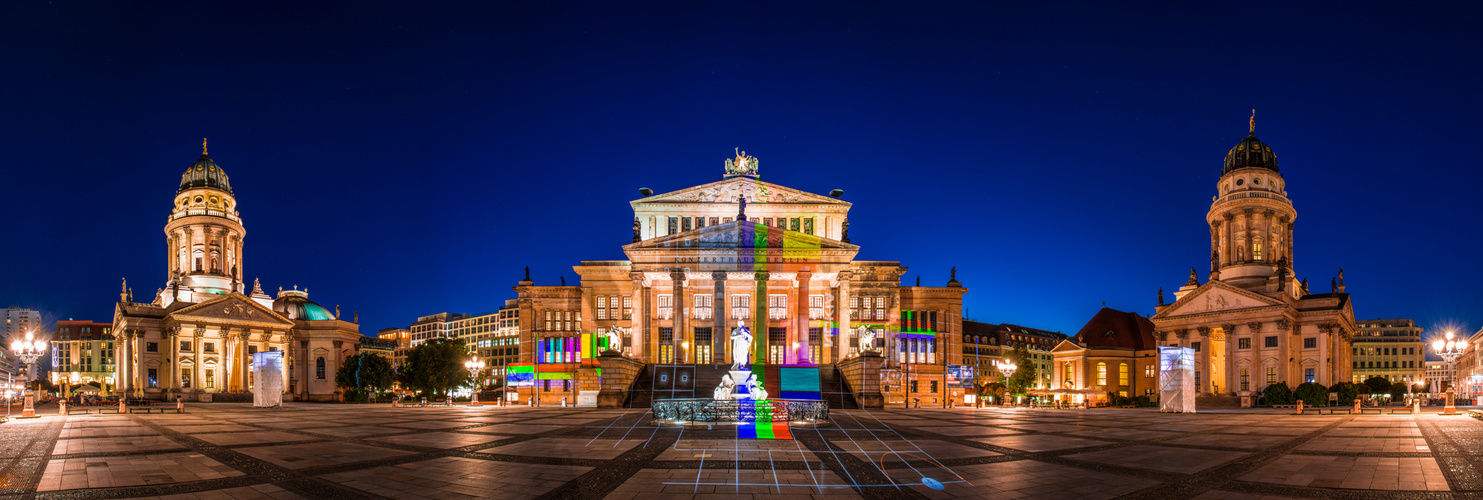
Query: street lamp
{"points": [[29, 350], [474, 366], [1007, 368], [1449, 350]]}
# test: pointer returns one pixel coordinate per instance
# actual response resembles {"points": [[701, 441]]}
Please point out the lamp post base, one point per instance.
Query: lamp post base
{"points": [[29, 410]]}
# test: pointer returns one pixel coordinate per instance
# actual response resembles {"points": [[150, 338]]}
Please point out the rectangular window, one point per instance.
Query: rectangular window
{"points": [[793, 225], [548, 320], [1122, 374], [777, 335], [1195, 346], [702, 335], [880, 308], [154, 378], [725, 220], [816, 307], [1148, 371], [1198, 387], [627, 307], [1310, 343], [674, 225], [666, 334], [702, 307], [210, 379], [854, 308], [1271, 375], [1270, 341], [777, 306], [913, 386], [815, 334], [741, 306], [209, 346], [777, 354], [714, 220], [185, 346], [808, 225], [699, 222], [1245, 379], [1102, 374], [602, 308], [684, 224], [1244, 343], [666, 306], [1307, 374], [767, 221], [933, 386], [185, 378]]}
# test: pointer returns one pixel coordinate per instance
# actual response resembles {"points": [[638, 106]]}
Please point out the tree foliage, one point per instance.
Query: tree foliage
{"points": [[1313, 394], [1278, 394], [366, 372], [435, 367], [1378, 385], [1347, 392], [1024, 374]]}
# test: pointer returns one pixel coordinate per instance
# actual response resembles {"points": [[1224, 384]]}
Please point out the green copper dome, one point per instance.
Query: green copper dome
{"points": [[296, 305], [204, 173]]}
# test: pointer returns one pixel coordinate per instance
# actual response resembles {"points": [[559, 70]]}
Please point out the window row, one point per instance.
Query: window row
{"points": [[1385, 364]]}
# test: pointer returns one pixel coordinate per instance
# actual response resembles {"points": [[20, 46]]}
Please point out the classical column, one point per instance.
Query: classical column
{"points": [[720, 312], [1290, 253], [759, 321], [1232, 383], [1227, 255], [677, 276], [802, 321], [639, 316], [1246, 233], [842, 311], [1204, 360]]}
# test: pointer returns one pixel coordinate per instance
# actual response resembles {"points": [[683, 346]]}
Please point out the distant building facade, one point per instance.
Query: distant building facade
{"points": [[1389, 348], [82, 352], [403, 339], [18, 321], [1115, 352]]}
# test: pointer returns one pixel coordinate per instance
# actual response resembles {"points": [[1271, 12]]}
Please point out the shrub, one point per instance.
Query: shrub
{"points": [[1278, 394], [1143, 401], [1347, 392], [1378, 385], [1313, 394]]}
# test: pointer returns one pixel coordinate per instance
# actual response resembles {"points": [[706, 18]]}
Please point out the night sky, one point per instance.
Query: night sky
{"points": [[405, 159]]}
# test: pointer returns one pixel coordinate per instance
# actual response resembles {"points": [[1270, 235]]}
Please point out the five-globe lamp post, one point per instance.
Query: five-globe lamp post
{"points": [[474, 366], [1007, 368], [1449, 350], [29, 350]]}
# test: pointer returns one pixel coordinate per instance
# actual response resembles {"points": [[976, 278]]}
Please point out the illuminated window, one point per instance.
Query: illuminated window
{"points": [[211, 379], [816, 307], [1148, 371], [777, 306], [1308, 375], [1122, 374], [602, 308], [627, 307], [1101, 373], [1256, 251], [702, 307], [185, 378], [548, 320], [1067, 378], [666, 306], [854, 308], [1271, 375], [880, 308], [1245, 379], [741, 306]]}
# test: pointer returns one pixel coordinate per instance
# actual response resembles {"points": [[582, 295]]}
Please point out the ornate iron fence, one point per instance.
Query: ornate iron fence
{"points": [[746, 410]]}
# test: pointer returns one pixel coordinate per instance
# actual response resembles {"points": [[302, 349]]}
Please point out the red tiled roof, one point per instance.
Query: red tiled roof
{"points": [[1114, 328]]}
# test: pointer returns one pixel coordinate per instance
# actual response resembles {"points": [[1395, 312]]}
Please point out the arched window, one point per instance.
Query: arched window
{"points": [[319, 368], [1122, 375], [1067, 379], [1101, 373]]}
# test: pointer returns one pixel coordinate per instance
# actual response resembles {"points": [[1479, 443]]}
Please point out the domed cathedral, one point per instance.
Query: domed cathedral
{"points": [[1253, 323], [741, 252], [195, 339]]}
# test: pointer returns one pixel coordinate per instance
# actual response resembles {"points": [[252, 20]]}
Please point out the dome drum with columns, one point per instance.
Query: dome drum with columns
{"points": [[197, 337], [1251, 220]]}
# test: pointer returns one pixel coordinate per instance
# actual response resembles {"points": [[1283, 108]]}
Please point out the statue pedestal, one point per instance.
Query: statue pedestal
{"points": [[618, 374]]}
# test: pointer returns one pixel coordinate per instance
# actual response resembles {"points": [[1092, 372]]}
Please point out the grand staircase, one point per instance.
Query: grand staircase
{"points": [[835, 390]]}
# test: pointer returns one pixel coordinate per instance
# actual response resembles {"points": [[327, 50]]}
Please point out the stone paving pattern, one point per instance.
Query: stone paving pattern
{"points": [[229, 451]]}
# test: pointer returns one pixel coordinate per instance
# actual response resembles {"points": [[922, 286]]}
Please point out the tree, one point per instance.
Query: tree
{"points": [[1378, 385], [1024, 374], [1313, 394], [366, 372], [983, 388], [1277, 394], [435, 367], [1347, 392]]}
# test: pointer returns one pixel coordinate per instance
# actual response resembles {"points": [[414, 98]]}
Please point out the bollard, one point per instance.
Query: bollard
{"points": [[121, 407], [1356, 405], [1300, 407], [62, 407], [179, 405], [563, 401], [528, 402]]}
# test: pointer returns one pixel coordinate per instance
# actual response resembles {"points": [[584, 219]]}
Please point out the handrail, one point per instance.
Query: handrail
{"points": [[744, 410]]}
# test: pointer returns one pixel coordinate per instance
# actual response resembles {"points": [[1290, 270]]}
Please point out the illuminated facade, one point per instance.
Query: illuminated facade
{"points": [[196, 337], [741, 252], [1389, 348], [82, 353], [1253, 323], [1115, 352]]}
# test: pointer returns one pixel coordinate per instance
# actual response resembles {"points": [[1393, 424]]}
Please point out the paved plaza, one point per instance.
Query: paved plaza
{"points": [[355, 451]]}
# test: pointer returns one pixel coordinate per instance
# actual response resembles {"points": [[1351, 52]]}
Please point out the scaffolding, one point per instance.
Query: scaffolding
{"points": [[267, 373], [1176, 379]]}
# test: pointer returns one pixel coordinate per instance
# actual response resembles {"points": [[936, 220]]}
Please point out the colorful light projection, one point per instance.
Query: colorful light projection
{"points": [[763, 431], [799, 383], [570, 349]]}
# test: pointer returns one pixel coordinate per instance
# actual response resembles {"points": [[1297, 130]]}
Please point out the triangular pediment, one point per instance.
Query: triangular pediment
{"points": [[740, 235], [1066, 345], [233, 308], [1216, 296], [736, 188]]}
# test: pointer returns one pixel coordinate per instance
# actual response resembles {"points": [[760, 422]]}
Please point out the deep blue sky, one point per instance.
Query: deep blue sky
{"points": [[406, 159]]}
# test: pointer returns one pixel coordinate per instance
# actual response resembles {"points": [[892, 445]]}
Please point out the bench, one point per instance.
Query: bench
{"points": [[83, 411], [1378, 411], [1284, 407], [112, 409], [1335, 411], [1407, 409], [1316, 411]]}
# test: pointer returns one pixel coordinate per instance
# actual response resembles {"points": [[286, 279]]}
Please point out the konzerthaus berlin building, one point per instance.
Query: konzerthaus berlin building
{"points": [[195, 338], [742, 252], [1253, 323]]}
